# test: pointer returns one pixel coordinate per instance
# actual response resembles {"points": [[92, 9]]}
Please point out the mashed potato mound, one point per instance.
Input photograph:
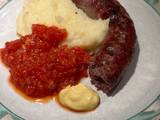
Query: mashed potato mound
{"points": [[82, 30]]}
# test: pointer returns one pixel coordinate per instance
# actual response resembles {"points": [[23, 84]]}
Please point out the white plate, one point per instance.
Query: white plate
{"points": [[142, 88]]}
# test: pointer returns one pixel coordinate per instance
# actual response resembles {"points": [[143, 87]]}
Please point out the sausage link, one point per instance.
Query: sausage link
{"points": [[107, 66]]}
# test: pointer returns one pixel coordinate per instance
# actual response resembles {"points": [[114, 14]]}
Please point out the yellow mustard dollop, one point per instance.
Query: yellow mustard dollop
{"points": [[79, 98]]}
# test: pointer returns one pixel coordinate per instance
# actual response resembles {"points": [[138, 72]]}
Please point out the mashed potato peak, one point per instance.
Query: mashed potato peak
{"points": [[82, 30]]}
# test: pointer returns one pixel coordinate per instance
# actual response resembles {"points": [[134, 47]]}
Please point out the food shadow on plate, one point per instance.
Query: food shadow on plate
{"points": [[129, 70]]}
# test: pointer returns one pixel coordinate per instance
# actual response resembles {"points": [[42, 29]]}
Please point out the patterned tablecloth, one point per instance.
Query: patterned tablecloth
{"points": [[152, 113]]}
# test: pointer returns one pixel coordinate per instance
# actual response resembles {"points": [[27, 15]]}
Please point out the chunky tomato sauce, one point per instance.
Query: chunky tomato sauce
{"points": [[40, 66]]}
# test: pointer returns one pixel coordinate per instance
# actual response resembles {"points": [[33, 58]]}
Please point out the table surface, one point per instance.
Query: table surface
{"points": [[149, 114]]}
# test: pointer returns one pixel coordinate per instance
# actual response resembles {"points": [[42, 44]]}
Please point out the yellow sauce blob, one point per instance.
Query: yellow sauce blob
{"points": [[79, 98]]}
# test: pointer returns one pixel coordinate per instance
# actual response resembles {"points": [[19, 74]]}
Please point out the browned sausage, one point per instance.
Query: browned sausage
{"points": [[107, 65]]}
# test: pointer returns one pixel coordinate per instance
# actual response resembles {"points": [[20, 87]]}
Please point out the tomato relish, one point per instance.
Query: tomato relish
{"points": [[40, 66]]}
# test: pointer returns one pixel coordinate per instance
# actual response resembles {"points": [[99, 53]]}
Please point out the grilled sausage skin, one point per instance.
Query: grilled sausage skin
{"points": [[108, 64]]}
